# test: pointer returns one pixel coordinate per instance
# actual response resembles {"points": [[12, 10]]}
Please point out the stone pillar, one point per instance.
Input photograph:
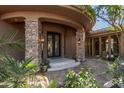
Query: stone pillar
{"points": [[93, 47], [100, 46], [80, 48], [109, 45], [89, 47], [32, 48]]}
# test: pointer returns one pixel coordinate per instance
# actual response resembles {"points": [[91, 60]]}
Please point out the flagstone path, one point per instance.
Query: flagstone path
{"points": [[97, 66]]}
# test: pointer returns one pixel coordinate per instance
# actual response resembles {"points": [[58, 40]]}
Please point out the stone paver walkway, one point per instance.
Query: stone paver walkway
{"points": [[97, 66]]}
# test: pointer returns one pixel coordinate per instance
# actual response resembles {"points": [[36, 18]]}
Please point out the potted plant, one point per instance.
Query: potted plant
{"points": [[45, 65]]}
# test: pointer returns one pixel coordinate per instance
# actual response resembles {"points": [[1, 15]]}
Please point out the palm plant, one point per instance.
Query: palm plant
{"points": [[14, 73], [8, 41]]}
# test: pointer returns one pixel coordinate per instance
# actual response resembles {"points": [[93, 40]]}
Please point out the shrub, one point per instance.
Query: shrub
{"points": [[14, 73], [117, 69], [38, 81], [83, 79], [53, 84]]}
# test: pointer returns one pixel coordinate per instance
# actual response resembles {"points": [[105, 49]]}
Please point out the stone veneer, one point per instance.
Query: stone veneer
{"points": [[80, 49], [31, 41]]}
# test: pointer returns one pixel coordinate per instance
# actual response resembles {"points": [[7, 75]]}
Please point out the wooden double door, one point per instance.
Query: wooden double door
{"points": [[53, 44]]}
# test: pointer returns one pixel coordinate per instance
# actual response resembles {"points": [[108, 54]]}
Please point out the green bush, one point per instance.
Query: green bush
{"points": [[53, 84], [117, 70], [83, 79], [14, 73]]}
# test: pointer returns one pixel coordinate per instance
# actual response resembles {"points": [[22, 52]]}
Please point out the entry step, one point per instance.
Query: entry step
{"points": [[62, 63]]}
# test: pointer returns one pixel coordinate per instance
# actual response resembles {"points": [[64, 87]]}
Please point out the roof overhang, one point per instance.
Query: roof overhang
{"points": [[65, 11]]}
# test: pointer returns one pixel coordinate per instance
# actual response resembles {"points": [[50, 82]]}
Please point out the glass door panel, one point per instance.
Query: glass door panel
{"points": [[50, 45], [57, 45], [53, 46]]}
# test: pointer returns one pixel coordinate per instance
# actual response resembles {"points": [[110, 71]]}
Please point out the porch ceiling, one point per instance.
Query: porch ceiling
{"points": [[51, 19], [66, 11]]}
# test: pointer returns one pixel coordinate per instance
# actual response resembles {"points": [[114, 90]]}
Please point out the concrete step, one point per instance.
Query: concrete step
{"points": [[62, 63], [64, 67], [59, 60]]}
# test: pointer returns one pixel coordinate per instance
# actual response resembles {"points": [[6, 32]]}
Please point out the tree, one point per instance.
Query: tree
{"points": [[113, 15]]}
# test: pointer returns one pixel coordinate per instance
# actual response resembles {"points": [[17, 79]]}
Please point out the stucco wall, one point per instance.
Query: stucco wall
{"points": [[5, 29], [122, 45], [70, 43], [68, 38]]}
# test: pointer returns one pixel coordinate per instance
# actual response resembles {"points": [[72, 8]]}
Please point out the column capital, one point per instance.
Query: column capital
{"points": [[80, 29], [32, 19]]}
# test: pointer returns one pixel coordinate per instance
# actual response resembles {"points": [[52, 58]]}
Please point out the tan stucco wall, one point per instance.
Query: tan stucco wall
{"points": [[5, 29], [68, 38], [86, 47], [122, 45], [70, 43]]}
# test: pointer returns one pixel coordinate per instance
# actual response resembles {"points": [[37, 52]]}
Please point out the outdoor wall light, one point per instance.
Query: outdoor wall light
{"points": [[41, 39], [79, 41]]}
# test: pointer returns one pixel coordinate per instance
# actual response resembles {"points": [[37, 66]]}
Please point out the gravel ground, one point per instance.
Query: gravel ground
{"points": [[97, 66]]}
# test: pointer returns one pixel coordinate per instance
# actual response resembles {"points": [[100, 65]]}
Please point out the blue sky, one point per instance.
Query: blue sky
{"points": [[100, 24]]}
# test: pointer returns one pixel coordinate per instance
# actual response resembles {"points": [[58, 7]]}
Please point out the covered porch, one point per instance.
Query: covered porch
{"points": [[103, 44], [50, 37]]}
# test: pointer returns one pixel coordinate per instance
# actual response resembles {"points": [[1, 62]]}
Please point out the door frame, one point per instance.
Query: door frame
{"points": [[53, 40]]}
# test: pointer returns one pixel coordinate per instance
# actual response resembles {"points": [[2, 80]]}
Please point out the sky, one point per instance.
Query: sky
{"points": [[100, 24]]}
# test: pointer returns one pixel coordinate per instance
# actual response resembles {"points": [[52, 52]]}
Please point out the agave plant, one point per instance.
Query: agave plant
{"points": [[14, 73]]}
